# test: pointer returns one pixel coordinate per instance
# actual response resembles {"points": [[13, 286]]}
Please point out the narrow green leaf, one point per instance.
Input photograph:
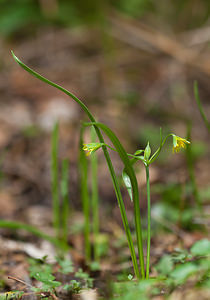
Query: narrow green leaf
{"points": [[94, 197], [106, 154], [64, 187], [200, 107], [29, 228], [138, 152], [54, 180], [83, 170]]}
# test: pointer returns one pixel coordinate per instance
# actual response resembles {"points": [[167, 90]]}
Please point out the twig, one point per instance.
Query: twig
{"points": [[125, 26], [43, 294], [21, 281]]}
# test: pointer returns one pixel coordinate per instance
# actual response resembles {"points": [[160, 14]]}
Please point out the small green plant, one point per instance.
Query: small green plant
{"points": [[146, 158], [42, 272], [66, 265], [182, 264], [64, 186], [60, 208], [89, 201], [183, 269], [95, 199], [60, 219], [54, 179], [87, 280], [83, 168], [73, 287]]}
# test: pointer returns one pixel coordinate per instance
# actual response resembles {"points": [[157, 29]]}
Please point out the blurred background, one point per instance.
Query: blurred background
{"points": [[133, 63]]}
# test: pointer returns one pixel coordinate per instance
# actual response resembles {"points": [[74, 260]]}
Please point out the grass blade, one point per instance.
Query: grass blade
{"points": [[200, 107], [95, 197], [83, 167], [191, 170], [29, 228], [65, 199], [54, 180]]}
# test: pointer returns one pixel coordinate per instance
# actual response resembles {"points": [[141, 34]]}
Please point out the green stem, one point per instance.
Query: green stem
{"points": [[65, 199], [148, 221], [83, 163], [123, 213], [29, 228], [95, 197], [54, 180], [155, 155]]}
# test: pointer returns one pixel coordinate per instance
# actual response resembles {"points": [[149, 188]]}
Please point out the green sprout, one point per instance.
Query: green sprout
{"points": [[200, 107]]}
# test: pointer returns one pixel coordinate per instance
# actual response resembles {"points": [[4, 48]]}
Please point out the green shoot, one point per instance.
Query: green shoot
{"points": [[95, 198], [65, 199], [191, 171], [29, 228], [200, 107], [83, 167], [54, 180]]}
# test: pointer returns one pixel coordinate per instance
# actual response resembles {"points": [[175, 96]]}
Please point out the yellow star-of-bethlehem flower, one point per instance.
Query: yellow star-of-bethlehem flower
{"points": [[179, 143], [90, 148]]}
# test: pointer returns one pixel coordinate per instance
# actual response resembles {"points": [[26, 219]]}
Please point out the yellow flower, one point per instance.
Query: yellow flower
{"points": [[179, 143], [92, 147]]}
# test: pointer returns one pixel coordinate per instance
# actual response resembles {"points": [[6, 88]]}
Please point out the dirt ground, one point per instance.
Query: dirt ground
{"points": [[133, 79]]}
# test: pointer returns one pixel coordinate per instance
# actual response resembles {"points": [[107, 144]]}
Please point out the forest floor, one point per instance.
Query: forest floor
{"points": [[135, 86]]}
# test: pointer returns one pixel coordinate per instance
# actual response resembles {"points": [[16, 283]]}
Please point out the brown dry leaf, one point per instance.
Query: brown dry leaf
{"points": [[89, 295], [56, 109], [8, 204], [17, 115], [176, 295], [30, 249], [192, 294], [6, 133], [18, 271]]}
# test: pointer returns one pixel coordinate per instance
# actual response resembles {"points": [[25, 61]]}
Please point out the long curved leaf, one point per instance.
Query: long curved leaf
{"points": [[106, 154], [29, 228]]}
